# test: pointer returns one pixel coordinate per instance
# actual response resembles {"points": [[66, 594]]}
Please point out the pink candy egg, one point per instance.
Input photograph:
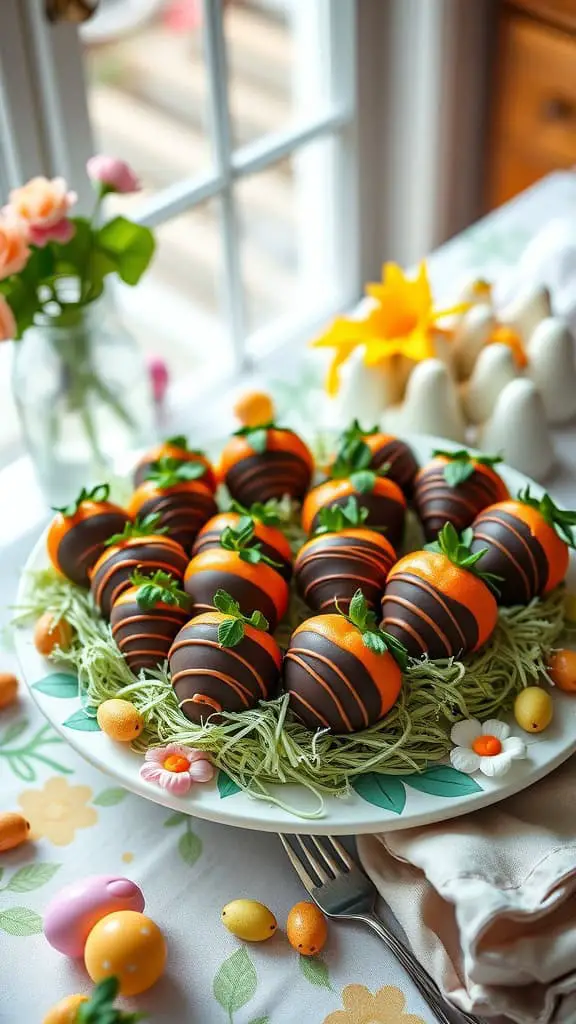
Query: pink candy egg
{"points": [[71, 915]]}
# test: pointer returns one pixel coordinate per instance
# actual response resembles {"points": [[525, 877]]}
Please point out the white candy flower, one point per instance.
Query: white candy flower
{"points": [[488, 748]]}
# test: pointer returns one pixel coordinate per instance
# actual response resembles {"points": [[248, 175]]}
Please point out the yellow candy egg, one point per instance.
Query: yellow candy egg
{"points": [[120, 720], [306, 929], [129, 945], [533, 709], [249, 920], [66, 1011], [14, 830]]}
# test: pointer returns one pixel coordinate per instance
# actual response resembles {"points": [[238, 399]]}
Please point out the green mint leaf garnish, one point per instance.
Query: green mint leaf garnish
{"points": [[225, 603], [374, 638], [99, 1009], [363, 481], [178, 441], [100, 493], [257, 437], [457, 550], [561, 520], [267, 513], [462, 464], [333, 518], [239, 538], [168, 472], [145, 527], [158, 588], [353, 456], [252, 555], [232, 630]]}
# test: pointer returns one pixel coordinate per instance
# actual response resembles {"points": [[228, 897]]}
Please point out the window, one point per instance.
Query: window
{"points": [[240, 118]]}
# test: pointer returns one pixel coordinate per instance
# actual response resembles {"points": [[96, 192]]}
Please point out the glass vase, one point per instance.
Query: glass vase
{"points": [[83, 395]]}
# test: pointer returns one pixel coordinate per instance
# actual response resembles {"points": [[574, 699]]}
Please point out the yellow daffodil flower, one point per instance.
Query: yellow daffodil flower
{"points": [[401, 323]]}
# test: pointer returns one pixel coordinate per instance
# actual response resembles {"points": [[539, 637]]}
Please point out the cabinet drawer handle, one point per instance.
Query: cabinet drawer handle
{"points": [[558, 109]]}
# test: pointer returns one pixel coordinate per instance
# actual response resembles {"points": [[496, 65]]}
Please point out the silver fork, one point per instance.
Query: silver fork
{"points": [[341, 889]]}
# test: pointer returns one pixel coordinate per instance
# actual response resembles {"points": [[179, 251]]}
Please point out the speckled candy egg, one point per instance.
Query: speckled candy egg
{"points": [[306, 929], [72, 914], [249, 920], [129, 946]]}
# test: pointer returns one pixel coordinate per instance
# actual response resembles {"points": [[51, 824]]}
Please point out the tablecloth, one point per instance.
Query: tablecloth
{"points": [[188, 869]]}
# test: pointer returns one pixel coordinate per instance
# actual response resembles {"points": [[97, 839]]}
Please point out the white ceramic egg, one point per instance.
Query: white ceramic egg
{"points": [[430, 406], [494, 369], [518, 429], [527, 310], [470, 337], [552, 367], [363, 393]]}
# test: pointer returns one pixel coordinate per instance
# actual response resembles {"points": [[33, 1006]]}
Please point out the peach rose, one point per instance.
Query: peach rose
{"points": [[42, 202], [14, 251], [7, 321]]}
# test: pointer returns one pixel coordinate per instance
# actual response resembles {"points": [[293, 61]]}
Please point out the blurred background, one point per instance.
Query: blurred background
{"points": [[286, 148]]}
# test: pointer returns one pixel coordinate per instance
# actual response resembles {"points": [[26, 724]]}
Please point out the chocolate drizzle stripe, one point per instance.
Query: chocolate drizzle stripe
{"points": [[427, 495], [321, 580], [89, 552], [105, 577], [333, 668], [416, 610], [406, 628], [507, 525], [478, 535], [353, 553], [143, 652], [313, 711], [197, 642], [241, 691], [131, 619], [417, 581]]}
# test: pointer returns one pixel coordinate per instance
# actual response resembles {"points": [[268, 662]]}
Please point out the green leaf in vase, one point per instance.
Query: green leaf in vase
{"points": [[128, 245]]}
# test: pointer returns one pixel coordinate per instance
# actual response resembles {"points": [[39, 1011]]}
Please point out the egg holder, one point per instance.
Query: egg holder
{"points": [[500, 395]]}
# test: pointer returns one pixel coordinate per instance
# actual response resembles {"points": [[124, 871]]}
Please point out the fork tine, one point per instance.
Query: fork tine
{"points": [[342, 853], [313, 862], [334, 867], [299, 868]]}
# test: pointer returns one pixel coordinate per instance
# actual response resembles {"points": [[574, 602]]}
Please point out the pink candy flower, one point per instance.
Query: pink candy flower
{"points": [[175, 767], [7, 321], [115, 174]]}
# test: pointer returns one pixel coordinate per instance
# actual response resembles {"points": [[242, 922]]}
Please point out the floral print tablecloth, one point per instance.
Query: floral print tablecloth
{"points": [[83, 823]]}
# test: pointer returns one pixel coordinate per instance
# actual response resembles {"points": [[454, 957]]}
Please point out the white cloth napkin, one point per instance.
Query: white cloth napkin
{"points": [[488, 901]]}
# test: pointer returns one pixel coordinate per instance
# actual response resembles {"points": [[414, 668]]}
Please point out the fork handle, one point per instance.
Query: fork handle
{"points": [[424, 982]]}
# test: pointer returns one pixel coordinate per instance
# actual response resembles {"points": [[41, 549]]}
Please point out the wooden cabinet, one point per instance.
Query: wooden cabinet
{"points": [[533, 115]]}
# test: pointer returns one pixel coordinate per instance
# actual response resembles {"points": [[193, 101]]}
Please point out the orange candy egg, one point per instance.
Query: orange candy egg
{"points": [[306, 929], [254, 408], [120, 720], [8, 689], [562, 669], [66, 1011], [14, 830], [49, 634], [129, 945]]}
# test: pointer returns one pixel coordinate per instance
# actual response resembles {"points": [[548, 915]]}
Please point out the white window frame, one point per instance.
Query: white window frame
{"points": [[47, 121]]}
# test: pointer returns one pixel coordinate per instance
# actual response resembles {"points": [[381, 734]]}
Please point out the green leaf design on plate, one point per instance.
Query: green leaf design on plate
{"points": [[235, 982], [82, 722], [110, 797], [58, 684], [385, 791], [31, 876], [190, 847], [315, 971], [20, 921], [226, 785], [443, 780], [175, 819]]}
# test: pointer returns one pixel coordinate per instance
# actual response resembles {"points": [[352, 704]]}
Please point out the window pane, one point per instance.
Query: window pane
{"points": [[147, 88], [287, 247], [277, 74], [175, 310]]}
